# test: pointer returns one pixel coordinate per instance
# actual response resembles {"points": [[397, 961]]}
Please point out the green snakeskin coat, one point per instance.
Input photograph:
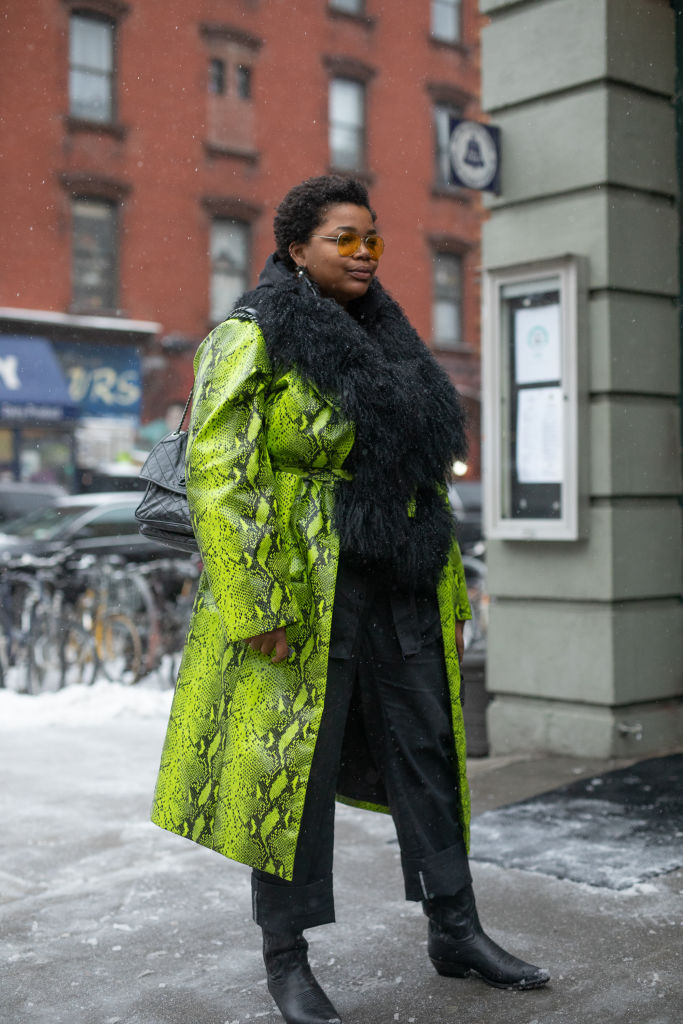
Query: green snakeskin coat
{"points": [[264, 451]]}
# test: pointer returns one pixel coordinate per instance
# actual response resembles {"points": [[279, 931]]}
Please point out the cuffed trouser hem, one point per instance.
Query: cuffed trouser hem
{"points": [[441, 874], [278, 908]]}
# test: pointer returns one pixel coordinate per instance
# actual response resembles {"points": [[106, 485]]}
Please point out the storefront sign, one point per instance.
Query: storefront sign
{"points": [[104, 380], [32, 384]]}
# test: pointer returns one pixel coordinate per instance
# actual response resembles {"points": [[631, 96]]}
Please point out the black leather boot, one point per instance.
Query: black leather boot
{"points": [[458, 946], [298, 995]]}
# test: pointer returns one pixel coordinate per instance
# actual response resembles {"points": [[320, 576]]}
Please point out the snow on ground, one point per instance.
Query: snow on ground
{"points": [[83, 705], [105, 919]]}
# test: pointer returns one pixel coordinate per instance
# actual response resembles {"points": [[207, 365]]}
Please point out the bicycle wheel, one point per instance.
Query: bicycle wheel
{"points": [[77, 656], [45, 668], [4, 660], [119, 649], [22, 599]]}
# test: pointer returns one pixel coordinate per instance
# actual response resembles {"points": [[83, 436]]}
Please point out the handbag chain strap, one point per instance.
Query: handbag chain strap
{"points": [[182, 418], [241, 313]]}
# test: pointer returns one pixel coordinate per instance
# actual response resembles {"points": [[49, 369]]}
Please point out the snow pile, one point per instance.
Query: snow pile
{"points": [[83, 705]]}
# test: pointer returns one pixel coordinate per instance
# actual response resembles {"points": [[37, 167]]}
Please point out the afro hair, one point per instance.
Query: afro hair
{"points": [[305, 206]]}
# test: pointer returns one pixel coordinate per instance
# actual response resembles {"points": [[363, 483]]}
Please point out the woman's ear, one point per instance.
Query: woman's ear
{"points": [[297, 252]]}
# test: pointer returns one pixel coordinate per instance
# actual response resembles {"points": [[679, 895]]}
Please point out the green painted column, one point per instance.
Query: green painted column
{"points": [[585, 639]]}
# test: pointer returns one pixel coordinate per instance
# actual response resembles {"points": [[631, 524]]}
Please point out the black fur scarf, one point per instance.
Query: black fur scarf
{"points": [[409, 423]]}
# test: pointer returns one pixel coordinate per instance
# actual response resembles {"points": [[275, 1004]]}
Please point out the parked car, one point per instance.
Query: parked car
{"points": [[465, 499], [18, 498], [97, 524], [111, 477]]}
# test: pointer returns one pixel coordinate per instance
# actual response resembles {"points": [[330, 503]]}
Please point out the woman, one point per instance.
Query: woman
{"points": [[323, 653]]}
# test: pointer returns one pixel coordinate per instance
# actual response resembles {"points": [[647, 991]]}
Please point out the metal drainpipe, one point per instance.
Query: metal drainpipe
{"points": [[678, 107]]}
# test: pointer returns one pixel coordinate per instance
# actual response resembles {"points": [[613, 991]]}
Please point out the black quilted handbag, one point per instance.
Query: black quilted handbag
{"points": [[163, 514]]}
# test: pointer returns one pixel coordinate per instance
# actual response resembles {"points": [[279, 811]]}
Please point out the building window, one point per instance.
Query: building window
{"points": [[347, 124], [94, 245], [446, 24], [243, 81], [229, 266], [230, 116], [348, 6], [91, 68], [447, 307], [216, 76], [443, 112]]}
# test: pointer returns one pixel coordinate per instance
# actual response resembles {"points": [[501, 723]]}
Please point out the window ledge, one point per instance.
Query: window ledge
{"points": [[348, 67], [367, 177], [455, 192], [231, 207], [82, 124], [93, 186], [217, 149], [446, 92], [364, 20], [454, 45], [215, 30], [109, 8], [81, 309], [461, 349]]}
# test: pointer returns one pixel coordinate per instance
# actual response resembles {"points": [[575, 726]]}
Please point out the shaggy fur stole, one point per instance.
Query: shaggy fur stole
{"points": [[409, 423]]}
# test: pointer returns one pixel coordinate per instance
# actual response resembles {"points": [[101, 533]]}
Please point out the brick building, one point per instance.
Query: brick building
{"points": [[145, 144]]}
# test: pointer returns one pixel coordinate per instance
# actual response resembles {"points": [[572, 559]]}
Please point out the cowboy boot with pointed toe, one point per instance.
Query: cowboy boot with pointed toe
{"points": [[291, 983], [459, 946]]}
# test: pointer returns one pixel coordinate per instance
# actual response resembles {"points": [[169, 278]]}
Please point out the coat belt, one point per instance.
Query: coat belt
{"points": [[326, 476]]}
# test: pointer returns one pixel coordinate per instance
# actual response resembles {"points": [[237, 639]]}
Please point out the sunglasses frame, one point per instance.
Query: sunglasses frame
{"points": [[361, 241]]}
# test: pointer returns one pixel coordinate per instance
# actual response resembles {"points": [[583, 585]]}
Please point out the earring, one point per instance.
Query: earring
{"points": [[301, 272]]}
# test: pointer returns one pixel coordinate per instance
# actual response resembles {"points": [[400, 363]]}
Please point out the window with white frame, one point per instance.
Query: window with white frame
{"points": [[446, 20], [229, 252], [447, 300], [347, 124], [91, 68], [443, 112], [94, 268]]}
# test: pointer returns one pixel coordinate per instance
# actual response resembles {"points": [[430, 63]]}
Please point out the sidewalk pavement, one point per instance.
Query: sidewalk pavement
{"points": [[108, 920]]}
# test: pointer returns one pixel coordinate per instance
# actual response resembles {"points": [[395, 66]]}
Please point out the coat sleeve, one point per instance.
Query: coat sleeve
{"points": [[230, 484]]}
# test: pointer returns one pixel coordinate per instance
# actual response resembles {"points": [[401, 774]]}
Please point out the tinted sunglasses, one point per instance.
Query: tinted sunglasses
{"points": [[349, 242]]}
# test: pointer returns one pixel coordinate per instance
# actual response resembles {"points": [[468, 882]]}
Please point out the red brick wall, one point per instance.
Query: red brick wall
{"points": [[161, 159]]}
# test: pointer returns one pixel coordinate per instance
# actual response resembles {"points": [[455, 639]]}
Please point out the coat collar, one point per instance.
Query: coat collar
{"points": [[409, 423]]}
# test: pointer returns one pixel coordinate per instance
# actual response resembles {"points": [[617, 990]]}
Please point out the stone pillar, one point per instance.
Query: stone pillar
{"points": [[585, 644]]}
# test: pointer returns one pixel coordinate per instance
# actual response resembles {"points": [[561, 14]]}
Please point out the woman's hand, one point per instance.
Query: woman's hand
{"points": [[265, 642], [460, 639]]}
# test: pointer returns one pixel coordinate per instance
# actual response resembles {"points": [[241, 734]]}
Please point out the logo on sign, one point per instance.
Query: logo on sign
{"points": [[9, 372], [474, 154], [104, 384]]}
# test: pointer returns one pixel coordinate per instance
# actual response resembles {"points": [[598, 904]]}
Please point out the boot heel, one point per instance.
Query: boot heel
{"points": [[450, 969]]}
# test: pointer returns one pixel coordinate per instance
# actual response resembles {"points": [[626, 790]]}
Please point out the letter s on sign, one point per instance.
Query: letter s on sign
{"points": [[128, 388]]}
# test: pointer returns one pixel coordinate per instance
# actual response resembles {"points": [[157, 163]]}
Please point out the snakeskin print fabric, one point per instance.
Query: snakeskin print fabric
{"points": [[265, 452]]}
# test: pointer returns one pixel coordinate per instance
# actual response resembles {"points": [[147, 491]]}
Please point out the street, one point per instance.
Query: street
{"points": [[108, 920]]}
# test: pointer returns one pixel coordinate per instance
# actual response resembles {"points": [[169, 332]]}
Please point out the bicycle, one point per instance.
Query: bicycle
{"points": [[40, 639], [117, 639], [169, 587], [19, 596]]}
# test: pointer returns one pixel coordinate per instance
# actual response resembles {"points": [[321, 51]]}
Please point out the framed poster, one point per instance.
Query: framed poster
{"points": [[535, 459]]}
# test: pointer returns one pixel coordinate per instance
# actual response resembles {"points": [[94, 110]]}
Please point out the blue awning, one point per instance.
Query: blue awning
{"points": [[33, 388]]}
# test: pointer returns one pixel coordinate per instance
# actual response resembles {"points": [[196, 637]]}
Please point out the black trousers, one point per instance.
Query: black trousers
{"points": [[387, 670]]}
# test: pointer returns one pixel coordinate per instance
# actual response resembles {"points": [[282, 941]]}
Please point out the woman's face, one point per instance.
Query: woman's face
{"points": [[342, 278]]}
